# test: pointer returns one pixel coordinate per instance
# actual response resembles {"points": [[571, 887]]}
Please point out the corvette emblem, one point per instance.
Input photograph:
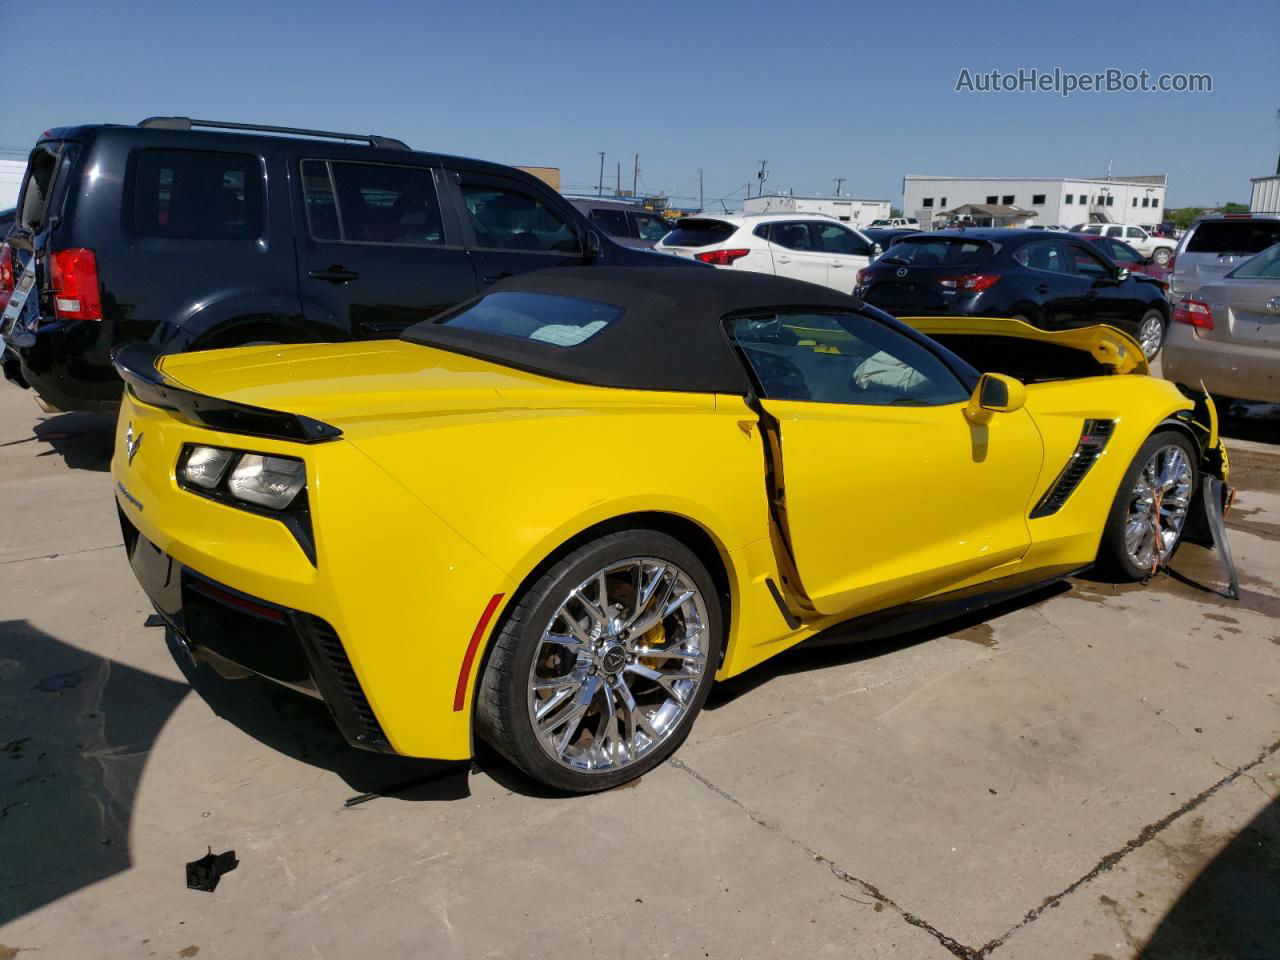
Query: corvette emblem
{"points": [[902, 271], [132, 443]]}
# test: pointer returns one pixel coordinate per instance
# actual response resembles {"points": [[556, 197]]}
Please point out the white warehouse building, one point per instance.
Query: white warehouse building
{"points": [[1041, 202], [12, 167], [860, 213]]}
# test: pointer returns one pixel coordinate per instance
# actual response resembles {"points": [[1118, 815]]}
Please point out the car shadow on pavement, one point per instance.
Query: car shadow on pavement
{"points": [[76, 730], [83, 440], [300, 727], [839, 645], [1232, 908]]}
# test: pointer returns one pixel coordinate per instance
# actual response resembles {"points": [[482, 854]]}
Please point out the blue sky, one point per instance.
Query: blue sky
{"points": [[822, 90]]}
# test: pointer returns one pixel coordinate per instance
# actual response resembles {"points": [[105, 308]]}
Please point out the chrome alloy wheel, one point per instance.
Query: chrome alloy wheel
{"points": [[1151, 335], [619, 665], [1158, 507]]}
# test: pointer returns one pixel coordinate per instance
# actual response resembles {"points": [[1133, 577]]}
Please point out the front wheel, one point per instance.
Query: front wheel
{"points": [[1151, 331], [1162, 256], [1147, 517], [600, 668]]}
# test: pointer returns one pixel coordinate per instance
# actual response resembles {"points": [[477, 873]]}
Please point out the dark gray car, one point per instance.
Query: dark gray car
{"points": [[628, 224]]}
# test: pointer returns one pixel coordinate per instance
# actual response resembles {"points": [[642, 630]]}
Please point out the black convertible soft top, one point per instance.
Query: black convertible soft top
{"points": [[669, 337]]}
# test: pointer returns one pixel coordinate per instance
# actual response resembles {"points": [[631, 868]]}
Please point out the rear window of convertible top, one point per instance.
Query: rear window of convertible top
{"points": [[537, 317]]}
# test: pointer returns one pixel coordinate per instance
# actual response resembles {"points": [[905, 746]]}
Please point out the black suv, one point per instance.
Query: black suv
{"points": [[1050, 280], [191, 236]]}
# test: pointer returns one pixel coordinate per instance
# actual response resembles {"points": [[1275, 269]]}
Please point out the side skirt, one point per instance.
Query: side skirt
{"points": [[919, 614]]}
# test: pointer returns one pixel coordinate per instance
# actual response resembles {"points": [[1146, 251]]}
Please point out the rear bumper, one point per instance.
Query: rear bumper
{"points": [[238, 635], [1233, 369], [68, 365]]}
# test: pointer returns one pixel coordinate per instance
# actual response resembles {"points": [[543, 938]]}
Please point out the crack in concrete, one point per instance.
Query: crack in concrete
{"points": [[54, 556], [950, 944], [1145, 836]]}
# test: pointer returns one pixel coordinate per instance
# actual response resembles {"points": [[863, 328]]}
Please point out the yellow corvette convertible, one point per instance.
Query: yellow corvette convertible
{"points": [[551, 516]]}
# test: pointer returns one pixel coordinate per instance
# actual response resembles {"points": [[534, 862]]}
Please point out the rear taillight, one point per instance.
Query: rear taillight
{"points": [[1168, 264], [969, 282], [721, 258], [6, 268], [73, 278], [1195, 313], [864, 276]]}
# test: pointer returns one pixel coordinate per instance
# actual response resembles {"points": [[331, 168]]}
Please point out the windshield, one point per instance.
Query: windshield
{"points": [[1241, 237], [699, 232], [940, 252], [1265, 266]]}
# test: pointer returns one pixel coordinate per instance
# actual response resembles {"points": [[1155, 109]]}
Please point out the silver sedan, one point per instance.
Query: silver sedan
{"points": [[1226, 334]]}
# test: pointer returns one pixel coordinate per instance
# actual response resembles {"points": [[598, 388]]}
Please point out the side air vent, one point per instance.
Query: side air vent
{"points": [[1093, 440]]}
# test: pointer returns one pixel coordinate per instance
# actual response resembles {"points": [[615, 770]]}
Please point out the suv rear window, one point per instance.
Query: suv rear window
{"points": [[197, 195], [940, 252], [696, 232], [41, 167], [1234, 236], [540, 317]]}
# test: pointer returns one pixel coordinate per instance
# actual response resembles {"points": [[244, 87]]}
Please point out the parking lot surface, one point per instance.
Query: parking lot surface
{"points": [[1092, 772]]}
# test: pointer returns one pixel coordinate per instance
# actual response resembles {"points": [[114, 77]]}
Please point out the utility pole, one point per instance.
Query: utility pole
{"points": [[635, 178], [618, 189], [839, 183], [600, 185], [762, 176], [701, 202]]}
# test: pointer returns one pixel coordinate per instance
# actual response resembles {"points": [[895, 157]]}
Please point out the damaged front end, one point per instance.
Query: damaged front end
{"points": [[1206, 520]]}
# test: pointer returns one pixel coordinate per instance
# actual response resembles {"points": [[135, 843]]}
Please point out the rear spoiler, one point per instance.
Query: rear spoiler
{"points": [[137, 364]]}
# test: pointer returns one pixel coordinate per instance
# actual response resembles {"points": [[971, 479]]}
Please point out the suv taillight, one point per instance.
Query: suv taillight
{"points": [[1195, 313], [6, 268], [73, 279], [1168, 264], [969, 282], [721, 258]]}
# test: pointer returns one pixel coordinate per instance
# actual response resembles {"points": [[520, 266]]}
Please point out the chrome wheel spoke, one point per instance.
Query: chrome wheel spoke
{"points": [[666, 679]]}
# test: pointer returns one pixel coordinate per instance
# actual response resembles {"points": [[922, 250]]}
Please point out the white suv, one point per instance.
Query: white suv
{"points": [[1159, 249], [897, 223], [814, 248]]}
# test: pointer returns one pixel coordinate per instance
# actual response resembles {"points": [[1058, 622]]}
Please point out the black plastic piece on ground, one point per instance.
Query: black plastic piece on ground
{"points": [[154, 620], [204, 874]]}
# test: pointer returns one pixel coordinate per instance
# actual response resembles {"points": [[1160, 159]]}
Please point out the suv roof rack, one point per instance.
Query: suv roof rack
{"points": [[186, 123]]}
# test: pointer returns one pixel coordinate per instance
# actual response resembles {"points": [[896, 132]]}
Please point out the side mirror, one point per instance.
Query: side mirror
{"points": [[875, 250], [590, 246], [1122, 275], [995, 393]]}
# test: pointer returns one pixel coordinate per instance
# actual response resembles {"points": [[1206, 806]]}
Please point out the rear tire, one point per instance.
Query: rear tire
{"points": [[1129, 529], [1162, 256], [586, 642]]}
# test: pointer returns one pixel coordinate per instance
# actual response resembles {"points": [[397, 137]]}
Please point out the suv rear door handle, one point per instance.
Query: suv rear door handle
{"points": [[495, 277], [334, 274], [1042, 288], [784, 259], [837, 263]]}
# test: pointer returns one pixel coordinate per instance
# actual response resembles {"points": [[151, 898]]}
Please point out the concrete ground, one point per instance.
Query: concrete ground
{"points": [[1090, 773]]}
